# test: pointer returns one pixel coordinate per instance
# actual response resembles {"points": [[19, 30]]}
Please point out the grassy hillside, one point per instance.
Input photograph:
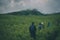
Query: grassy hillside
{"points": [[13, 27]]}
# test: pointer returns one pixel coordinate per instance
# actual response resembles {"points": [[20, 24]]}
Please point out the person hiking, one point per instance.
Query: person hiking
{"points": [[49, 24], [32, 30], [40, 26]]}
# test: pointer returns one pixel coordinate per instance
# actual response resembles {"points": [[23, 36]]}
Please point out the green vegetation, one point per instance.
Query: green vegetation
{"points": [[26, 12], [14, 27]]}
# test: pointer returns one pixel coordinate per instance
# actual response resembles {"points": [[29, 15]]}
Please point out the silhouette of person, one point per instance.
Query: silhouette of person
{"points": [[40, 26], [48, 24], [58, 22], [32, 30]]}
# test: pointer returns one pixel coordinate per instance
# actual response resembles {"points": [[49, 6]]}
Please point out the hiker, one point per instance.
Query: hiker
{"points": [[41, 26], [58, 22], [32, 30], [48, 24]]}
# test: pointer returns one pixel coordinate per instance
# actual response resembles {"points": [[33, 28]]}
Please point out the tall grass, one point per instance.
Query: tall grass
{"points": [[13, 27]]}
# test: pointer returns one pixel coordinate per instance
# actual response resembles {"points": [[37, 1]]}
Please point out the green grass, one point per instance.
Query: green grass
{"points": [[14, 27]]}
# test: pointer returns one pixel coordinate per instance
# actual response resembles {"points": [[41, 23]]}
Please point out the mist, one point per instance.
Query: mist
{"points": [[44, 6]]}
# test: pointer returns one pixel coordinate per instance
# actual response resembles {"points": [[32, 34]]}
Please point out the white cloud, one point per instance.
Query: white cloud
{"points": [[12, 3], [22, 3], [45, 6]]}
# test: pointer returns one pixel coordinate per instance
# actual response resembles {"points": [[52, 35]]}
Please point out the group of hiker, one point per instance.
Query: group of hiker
{"points": [[32, 29]]}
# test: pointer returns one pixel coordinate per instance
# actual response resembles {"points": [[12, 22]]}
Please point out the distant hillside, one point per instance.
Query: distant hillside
{"points": [[26, 12], [30, 12]]}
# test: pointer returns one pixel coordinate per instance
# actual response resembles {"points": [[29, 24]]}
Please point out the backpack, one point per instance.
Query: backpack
{"points": [[32, 28]]}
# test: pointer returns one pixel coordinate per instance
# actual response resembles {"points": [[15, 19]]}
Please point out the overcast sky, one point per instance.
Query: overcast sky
{"points": [[44, 6]]}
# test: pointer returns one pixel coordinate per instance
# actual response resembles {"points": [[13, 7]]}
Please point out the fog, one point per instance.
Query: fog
{"points": [[44, 6]]}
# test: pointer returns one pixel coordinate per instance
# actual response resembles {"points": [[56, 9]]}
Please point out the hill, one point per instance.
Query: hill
{"points": [[26, 12]]}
